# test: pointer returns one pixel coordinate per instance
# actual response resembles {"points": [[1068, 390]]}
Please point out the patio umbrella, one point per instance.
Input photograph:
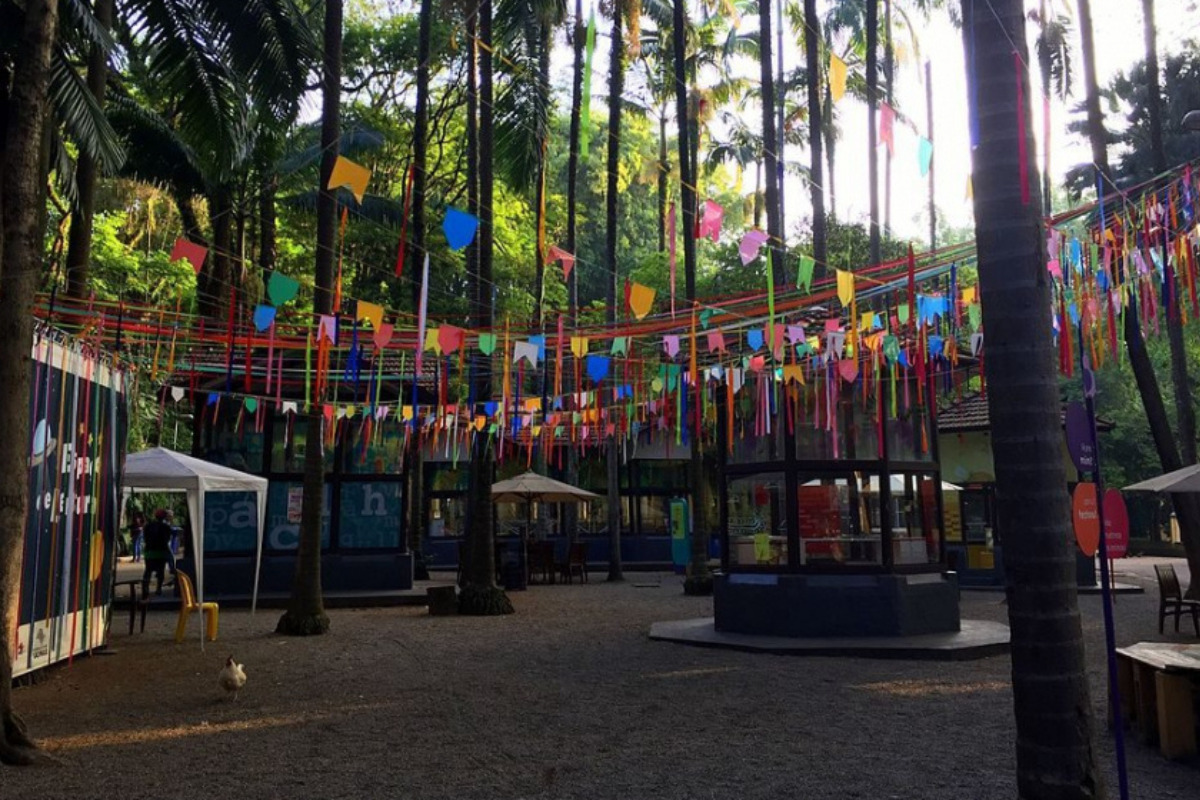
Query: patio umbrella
{"points": [[532, 487], [1181, 480]]}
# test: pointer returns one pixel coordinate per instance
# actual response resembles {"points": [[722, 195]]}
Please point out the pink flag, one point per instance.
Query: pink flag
{"points": [[710, 223], [887, 123], [751, 243]]}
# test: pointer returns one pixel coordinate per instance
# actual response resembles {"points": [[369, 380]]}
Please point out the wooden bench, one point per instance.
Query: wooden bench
{"points": [[1157, 681]]}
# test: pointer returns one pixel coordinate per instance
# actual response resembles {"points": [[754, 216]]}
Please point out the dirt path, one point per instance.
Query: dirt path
{"points": [[567, 698]]}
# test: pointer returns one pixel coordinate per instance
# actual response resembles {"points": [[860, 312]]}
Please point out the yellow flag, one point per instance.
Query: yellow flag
{"points": [[371, 313], [431, 341], [641, 299], [353, 176], [845, 286], [579, 346], [837, 77]]}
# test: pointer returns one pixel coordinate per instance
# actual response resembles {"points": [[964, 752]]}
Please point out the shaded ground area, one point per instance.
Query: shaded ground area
{"points": [[567, 698]]}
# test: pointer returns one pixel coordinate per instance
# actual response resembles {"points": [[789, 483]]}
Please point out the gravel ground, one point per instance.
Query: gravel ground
{"points": [[567, 698]]}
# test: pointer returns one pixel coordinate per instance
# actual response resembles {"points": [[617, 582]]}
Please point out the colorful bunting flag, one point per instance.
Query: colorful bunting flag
{"points": [[350, 175]]}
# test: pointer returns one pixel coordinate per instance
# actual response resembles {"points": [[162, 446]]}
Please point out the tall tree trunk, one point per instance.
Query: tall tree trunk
{"points": [[830, 156], [22, 198], [616, 88], [872, 122], [480, 595], [571, 510], [268, 187], [888, 70], [812, 41], [414, 457], [1185, 414], [1187, 508], [1055, 759], [699, 580], [79, 240], [664, 172], [539, 202], [305, 613], [216, 279]]}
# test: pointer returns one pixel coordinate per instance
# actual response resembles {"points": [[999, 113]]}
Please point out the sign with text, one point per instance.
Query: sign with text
{"points": [[1116, 524], [1085, 513], [1079, 438]]}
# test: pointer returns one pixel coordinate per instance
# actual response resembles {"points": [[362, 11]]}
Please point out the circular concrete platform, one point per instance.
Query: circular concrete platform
{"points": [[976, 639]]}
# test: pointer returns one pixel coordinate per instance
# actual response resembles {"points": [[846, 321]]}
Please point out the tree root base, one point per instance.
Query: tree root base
{"points": [[16, 748], [478, 601], [698, 585], [303, 624]]}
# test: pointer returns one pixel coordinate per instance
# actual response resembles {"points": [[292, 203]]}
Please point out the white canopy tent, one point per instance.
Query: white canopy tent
{"points": [[160, 469]]}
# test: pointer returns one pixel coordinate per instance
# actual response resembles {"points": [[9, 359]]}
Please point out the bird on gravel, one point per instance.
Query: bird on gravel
{"points": [[232, 677]]}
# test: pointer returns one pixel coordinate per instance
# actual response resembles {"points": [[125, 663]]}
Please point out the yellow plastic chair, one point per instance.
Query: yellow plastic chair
{"points": [[210, 611]]}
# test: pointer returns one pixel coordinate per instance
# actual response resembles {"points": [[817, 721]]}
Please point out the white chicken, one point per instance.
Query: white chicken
{"points": [[232, 677]]}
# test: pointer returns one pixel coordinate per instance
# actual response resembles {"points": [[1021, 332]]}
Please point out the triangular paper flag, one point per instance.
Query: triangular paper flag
{"points": [[597, 367], [968, 295], [281, 288], [353, 176], [327, 329], [671, 345], [795, 334], [924, 155], [804, 279], [837, 77], [487, 343], [383, 334], [848, 369], [754, 338], [562, 256], [432, 341], [845, 286], [290, 407], [459, 227], [193, 252], [177, 393], [527, 351], [710, 222], [641, 299], [976, 343], [371, 313], [716, 342], [264, 316], [751, 243], [620, 346], [579, 346], [450, 338], [887, 124]]}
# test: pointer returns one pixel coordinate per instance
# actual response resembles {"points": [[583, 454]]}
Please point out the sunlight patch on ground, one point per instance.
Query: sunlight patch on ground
{"points": [[690, 673], [931, 688], [131, 736]]}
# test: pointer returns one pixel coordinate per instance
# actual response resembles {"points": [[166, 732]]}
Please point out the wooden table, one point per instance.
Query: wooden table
{"points": [[1157, 681]]}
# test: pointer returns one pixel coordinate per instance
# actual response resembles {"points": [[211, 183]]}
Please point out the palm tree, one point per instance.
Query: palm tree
{"points": [[812, 43], [1055, 758], [480, 596], [872, 106], [79, 240], [24, 111], [305, 613], [1187, 509], [1053, 45], [616, 88]]}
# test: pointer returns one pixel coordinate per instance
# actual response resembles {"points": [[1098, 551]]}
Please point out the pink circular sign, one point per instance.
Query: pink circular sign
{"points": [[1116, 524]]}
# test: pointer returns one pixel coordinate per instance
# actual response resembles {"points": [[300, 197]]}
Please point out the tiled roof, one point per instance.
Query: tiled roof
{"points": [[971, 414]]}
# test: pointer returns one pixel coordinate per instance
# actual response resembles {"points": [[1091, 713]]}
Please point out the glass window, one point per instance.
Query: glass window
{"points": [[288, 439], [376, 449], [753, 411], [284, 500], [916, 536], [664, 475], [370, 515], [908, 429], [233, 440], [445, 478], [654, 515], [836, 521], [446, 516], [758, 520], [230, 522]]}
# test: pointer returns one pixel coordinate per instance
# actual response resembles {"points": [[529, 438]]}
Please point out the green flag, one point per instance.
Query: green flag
{"points": [[585, 109], [804, 279]]}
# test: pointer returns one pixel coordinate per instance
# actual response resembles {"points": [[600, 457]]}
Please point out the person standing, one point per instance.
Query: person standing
{"points": [[136, 530], [158, 542]]}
